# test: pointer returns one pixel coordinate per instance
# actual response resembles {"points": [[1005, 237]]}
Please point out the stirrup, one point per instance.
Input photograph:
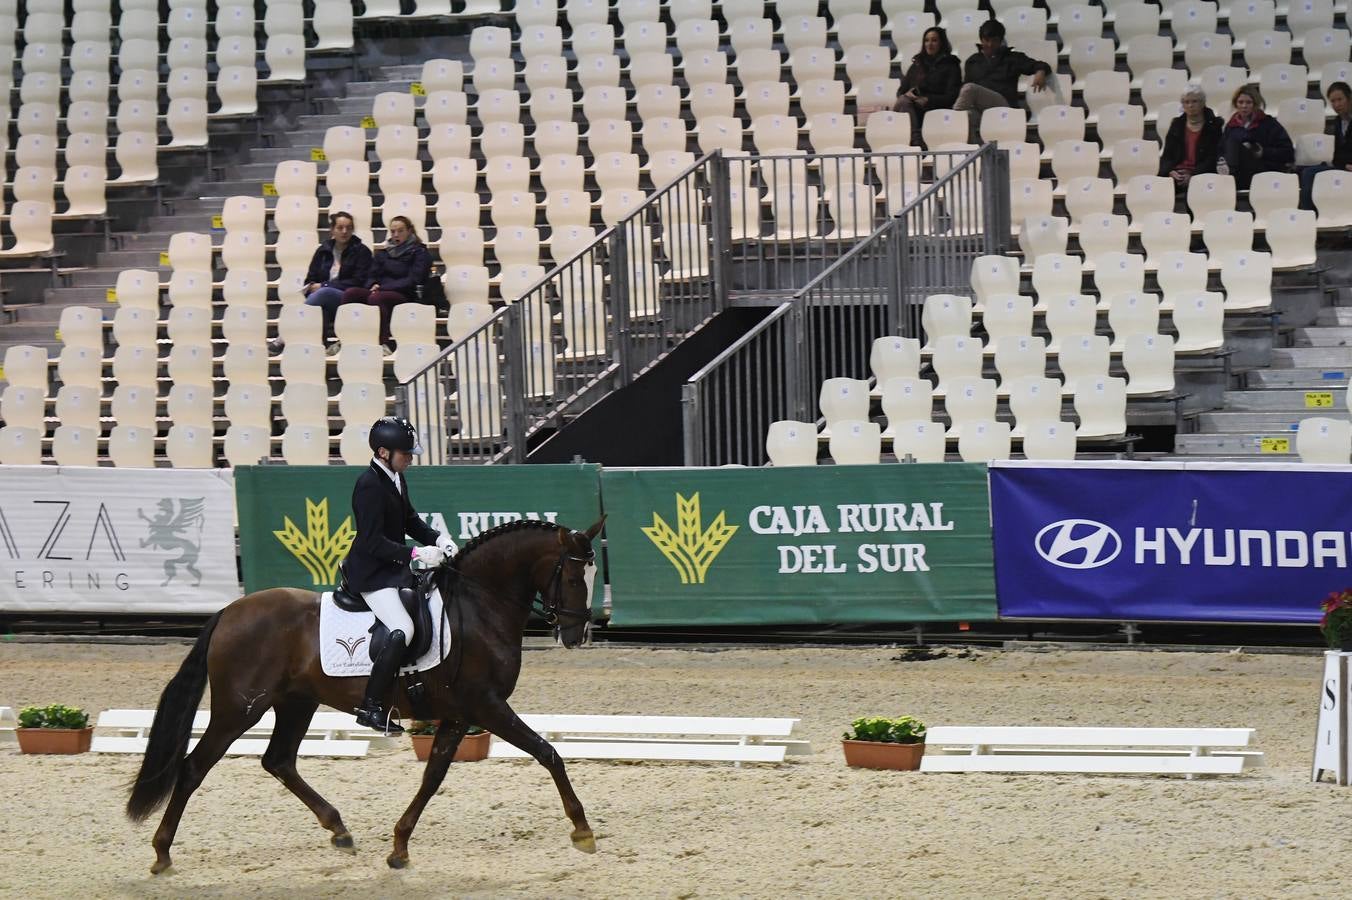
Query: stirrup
{"points": [[378, 719]]}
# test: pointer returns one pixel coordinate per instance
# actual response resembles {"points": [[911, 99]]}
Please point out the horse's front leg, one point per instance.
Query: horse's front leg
{"points": [[447, 740], [505, 723]]}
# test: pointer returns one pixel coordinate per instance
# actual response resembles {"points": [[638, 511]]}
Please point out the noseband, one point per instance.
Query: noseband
{"points": [[548, 604]]}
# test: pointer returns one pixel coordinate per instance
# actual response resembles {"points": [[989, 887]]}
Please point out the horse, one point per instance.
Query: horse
{"points": [[262, 652]]}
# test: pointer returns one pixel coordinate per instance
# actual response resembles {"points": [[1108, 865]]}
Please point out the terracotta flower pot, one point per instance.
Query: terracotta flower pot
{"points": [[55, 740], [883, 755], [473, 747]]}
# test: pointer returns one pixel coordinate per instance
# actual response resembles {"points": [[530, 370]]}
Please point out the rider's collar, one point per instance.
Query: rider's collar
{"points": [[386, 469]]}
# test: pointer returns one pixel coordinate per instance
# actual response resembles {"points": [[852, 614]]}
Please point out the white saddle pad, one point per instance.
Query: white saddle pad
{"points": [[344, 639]]}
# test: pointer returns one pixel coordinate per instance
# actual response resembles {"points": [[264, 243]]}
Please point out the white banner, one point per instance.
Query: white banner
{"points": [[116, 540]]}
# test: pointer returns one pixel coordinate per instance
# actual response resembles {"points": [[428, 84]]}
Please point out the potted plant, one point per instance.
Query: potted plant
{"points": [[1336, 624], [875, 742], [473, 746], [54, 729]]}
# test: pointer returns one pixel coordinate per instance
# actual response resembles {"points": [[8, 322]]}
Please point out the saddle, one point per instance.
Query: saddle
{"points": [[415, 600]]}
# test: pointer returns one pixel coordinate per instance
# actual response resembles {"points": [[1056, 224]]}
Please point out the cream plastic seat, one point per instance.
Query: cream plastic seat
{"points": [[1102, 234], [353, 443], [81, 326], [1324, 441], [1043, 235], [85, 190], [1149, 361], [943, 315], [1130, 314], [906, 399], [1030, 198], [303, 364], [135, 364], [361, 401], [893, 356], [1199, 320], [190, 404], [190, 447], [1034, 400], [305, 403], [984, 440], [1208, 193], [247, 363], [1056, 274], [1332, 196], [1147, 194], [1101, 405], [31, 223], [25, 364], [1019, 356], [20, 446], [466, 284], [841, 399], [1087, 197], [790, 443], [966, 400], [1134, 158], [994, 275], [76, 445], [1074, 159], [1165, 233], [246, 445], [1081, 357], [80, 365], [1180, 275], [306, 445], [24, 406], [922, 441], [1049, 441], [854, 443], [1227, 231], [1291, 238], [1007, 315]]}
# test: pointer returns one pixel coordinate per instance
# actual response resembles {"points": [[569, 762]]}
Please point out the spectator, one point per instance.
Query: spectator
{"points": [[1340, 98], [1253, 141], [339, 263], [932, 81], [396, 274], [1193, 140], [992, 77]]}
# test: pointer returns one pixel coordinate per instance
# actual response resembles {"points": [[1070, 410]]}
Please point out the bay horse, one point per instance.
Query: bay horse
{"points": [[262, 652]]}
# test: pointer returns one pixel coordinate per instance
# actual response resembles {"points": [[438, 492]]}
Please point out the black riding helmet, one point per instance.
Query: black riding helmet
{"points": [[394, 433]]}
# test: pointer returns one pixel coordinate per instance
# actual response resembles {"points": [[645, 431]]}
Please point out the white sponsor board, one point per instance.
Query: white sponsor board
{"points": [[116, 540]]}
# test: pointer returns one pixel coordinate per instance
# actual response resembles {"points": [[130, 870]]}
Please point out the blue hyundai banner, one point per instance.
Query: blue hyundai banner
{"points": [[1185, 542]]}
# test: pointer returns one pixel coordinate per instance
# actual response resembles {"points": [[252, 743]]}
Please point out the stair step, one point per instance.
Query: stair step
{"points": [[1312, 379], [1312, 357], [1335, 315], [130, 259], [1323, 336], [1227, 422], [1277, 399], [1249, 445]]}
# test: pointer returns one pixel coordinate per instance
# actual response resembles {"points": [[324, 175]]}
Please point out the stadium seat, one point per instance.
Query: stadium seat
{"points": [[1101, 405], [984, 440], [854, 443], [906, 399], [790, 443], [1324, 441], [1149, 361]]}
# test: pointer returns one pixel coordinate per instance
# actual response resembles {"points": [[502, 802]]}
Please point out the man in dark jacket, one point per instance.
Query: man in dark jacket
{"points": [[1340, 98], [377, 563], [339, 263], [992, 77]]}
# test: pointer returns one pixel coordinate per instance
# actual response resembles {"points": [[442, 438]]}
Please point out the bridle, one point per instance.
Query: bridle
{"points": [[548, 603]]}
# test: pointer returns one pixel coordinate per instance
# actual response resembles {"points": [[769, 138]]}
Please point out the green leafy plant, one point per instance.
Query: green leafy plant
{"points": [[902, 730], [429, 726], [54, 716], [1336, 624]]}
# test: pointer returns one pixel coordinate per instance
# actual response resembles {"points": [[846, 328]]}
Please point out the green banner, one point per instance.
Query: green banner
{"points": [[295, 522], [894, 543]]}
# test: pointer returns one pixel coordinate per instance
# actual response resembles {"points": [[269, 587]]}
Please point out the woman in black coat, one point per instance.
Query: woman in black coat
{"points": [[932, 81], [1193, 140], [1253, 141], [396, 274]]}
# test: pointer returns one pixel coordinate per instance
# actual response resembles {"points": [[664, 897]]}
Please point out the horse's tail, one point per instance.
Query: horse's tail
{"points": [[171, 729]]}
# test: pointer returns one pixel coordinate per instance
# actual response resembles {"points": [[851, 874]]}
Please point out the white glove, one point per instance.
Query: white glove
{"points": [[447, 545], [429, 556]]}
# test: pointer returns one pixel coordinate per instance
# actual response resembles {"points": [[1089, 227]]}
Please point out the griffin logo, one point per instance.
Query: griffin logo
{"points": [[691, 548], [350, 646], [318, 550]]}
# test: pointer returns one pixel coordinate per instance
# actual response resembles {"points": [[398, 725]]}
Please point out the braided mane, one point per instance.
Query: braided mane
{"points": [[484, 536]]}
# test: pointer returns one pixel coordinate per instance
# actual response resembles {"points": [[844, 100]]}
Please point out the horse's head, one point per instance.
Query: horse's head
{"points": [[565, 597]]}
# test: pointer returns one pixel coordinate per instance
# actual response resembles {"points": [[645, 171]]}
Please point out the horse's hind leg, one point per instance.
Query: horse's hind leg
{"points": [[220, 734], [293, 718], [448, 738], [505, 723]]}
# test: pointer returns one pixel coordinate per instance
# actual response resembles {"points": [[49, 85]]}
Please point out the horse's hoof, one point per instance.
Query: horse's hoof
{"points": [[397, 862], [161, 866], [344, 842], [584, 841]]}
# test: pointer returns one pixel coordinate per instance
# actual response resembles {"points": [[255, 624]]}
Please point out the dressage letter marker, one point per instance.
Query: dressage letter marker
{"points": [[1330, 738]]}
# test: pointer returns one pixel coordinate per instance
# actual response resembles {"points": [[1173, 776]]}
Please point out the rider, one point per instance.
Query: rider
{"points": [[378, 562]]}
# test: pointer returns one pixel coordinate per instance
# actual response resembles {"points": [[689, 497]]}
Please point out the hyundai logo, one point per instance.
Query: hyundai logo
{"points": [[1078, 544]]}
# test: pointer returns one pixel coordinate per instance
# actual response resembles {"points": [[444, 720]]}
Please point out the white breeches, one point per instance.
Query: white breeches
{"points": [[385, 604]]}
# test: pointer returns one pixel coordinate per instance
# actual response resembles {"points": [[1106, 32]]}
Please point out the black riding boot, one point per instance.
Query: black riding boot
{"points": [[372, 712]]}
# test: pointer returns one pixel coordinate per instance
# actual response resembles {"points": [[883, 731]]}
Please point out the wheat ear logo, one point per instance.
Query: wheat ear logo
{"points": [[318, 550], [691, 548]]}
